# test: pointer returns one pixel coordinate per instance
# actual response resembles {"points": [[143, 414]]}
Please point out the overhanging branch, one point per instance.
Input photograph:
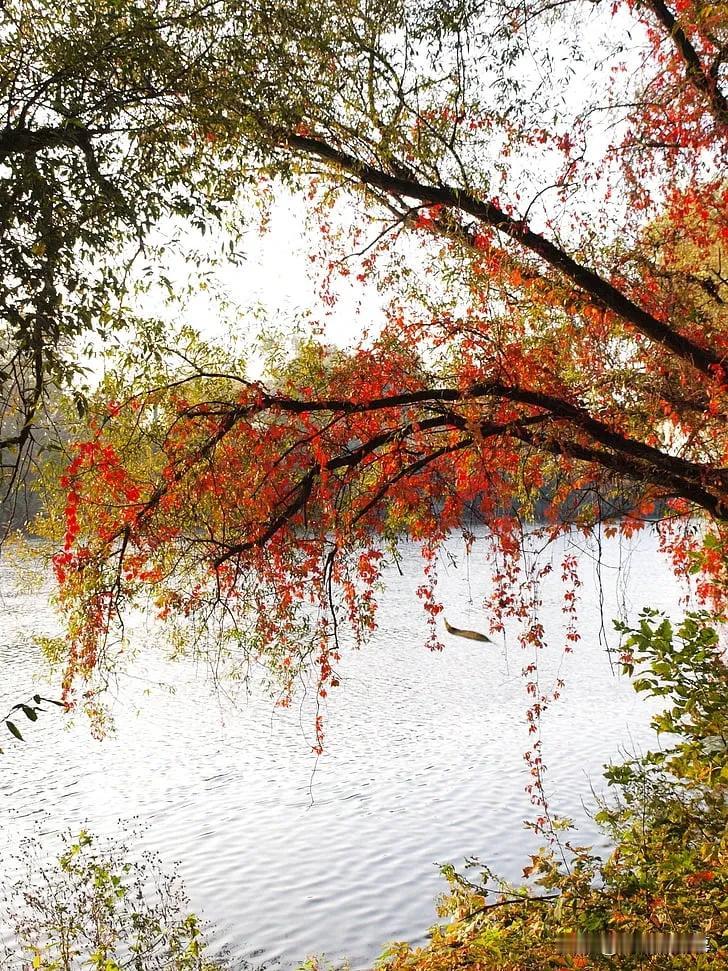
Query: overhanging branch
{"points": [[605, 293], [702, 80]]}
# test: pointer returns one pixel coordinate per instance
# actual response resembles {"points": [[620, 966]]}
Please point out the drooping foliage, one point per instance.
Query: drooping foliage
{"points": [[540, 201]]}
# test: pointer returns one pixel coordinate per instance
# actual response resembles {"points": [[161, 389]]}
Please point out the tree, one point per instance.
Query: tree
{"points": [[561, 327], [539, 192], [100, 152], [554, 336]]}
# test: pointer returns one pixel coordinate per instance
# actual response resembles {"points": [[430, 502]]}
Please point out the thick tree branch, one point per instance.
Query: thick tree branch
{"points": [[17, 140], [628, 467], [303, 488], [625, 456], [605, 293], [485, 430], [557, 407], [698, 76]]}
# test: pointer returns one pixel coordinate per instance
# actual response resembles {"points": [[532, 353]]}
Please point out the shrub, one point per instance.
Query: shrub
{"points": [[96, 909]]}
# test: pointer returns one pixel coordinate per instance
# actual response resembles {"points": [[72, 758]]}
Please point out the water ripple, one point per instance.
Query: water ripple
{"points": [[424, 765]]}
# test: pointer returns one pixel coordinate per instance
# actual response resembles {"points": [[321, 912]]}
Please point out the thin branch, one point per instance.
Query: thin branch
{"points": [[702, 358]]}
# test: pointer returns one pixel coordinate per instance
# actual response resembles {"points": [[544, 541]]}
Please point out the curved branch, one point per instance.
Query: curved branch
{"points": [[701, 79], [625, 456], [603, 292], [557, 407]]}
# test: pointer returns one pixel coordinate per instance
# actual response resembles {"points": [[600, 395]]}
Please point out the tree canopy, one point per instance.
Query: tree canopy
{"points": [[536, 191]]}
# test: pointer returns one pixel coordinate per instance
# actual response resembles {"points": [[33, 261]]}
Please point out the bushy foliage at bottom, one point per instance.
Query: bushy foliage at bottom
{"points": [[668, 822], [98, 910]]}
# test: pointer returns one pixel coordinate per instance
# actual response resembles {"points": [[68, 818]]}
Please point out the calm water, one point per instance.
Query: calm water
{"points": [[424, 763]]}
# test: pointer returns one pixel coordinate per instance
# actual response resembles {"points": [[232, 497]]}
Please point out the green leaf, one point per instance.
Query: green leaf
{"points": [[14, 730], [30, 713]]}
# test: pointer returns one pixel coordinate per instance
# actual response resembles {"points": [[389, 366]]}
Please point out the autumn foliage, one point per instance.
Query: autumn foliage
{"points": [[535, 196], [560, 360]]}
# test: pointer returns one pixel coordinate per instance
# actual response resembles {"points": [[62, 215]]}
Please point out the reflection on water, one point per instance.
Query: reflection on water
{"points": [[424, 764]]}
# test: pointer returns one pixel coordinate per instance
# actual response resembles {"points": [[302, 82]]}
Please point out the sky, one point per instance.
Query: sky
{"points": [[277, 286]]}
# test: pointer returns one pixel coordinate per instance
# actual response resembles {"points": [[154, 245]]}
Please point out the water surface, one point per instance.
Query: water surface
{"points": [[424, 761]]}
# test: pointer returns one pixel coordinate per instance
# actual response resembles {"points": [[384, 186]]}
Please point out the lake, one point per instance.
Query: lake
{"points": [[424, 761]]}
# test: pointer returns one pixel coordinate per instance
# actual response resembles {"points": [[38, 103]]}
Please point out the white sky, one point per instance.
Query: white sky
{"points": [[277, 284]]}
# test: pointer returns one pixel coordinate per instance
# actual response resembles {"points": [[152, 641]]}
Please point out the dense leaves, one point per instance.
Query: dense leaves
{"points": [[103, 158]]}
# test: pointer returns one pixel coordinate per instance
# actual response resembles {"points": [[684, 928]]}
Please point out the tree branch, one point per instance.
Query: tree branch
{"points": [[605, 293], [557, 407], [701, 79], [17, 140]]}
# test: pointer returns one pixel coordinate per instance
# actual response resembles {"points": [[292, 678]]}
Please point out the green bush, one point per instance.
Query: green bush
{"points": [[97, 910]]}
